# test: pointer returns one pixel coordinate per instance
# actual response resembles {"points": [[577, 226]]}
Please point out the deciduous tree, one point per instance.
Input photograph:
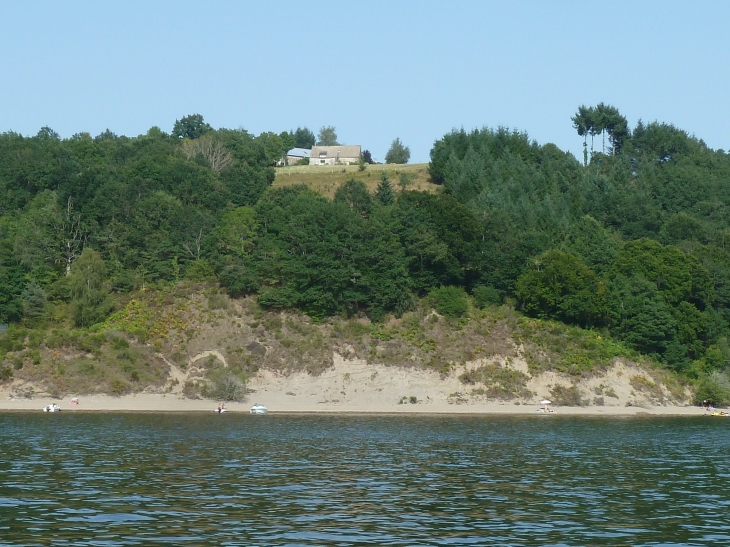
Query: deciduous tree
{"points": [[398, 153], [327, 136]]}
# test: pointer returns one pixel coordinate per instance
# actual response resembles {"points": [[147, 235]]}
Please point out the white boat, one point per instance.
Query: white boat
{"points": [[259, 409], [52, 408]]}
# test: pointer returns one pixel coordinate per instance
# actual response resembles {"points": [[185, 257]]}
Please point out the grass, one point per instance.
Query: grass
{"points": [[326, 179], [180, 322]]}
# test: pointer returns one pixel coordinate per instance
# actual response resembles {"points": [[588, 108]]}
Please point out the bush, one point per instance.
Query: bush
{"points": [[566, 396], [713, 387], [486, 296], [200, 271], [449, 301], [5, 373], [227, 387]]}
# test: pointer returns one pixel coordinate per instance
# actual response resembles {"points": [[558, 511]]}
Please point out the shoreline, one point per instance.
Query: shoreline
{"points": [[170, 403]]}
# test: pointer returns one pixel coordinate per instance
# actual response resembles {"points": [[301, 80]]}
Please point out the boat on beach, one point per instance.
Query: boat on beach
{"points": [[52, 408], [259, 409]]}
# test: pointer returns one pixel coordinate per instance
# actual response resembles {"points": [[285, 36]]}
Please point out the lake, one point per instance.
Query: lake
{"points": [[207, 479]]}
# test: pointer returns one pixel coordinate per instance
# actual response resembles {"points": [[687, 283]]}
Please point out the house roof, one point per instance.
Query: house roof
{"points": [[343, 151], [299, 152]]}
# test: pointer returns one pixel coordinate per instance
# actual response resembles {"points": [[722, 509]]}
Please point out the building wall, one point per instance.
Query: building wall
{"points": [[293, 160], [332, 161]]}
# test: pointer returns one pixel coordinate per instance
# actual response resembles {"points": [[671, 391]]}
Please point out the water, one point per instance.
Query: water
{"points": [[209, 479]]}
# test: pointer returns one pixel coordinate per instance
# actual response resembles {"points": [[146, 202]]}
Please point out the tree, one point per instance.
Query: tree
{"points": [[356, 195], [304, 138], [190, 127], [404, 181], [327, 136], [367, 157], [558, 285], [217, 156], [398, 153], [34, 302], [638, 314], [384, 194], [236, 232], [90, 299], [583, 123]]}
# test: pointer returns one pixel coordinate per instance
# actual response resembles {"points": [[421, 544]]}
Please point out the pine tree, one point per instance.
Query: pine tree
{"points": [[385, 190]]}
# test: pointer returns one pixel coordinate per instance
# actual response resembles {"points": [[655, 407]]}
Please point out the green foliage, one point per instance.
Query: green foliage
{"points": [[499, 382], [6, 373], [385, 193], [559, 285], [486, 296], [90, 298], [449, 301], [199, 271], [355, 194], [404, 181], [226, 386], [190, 127], [713, 387], [642, 227], [397, 153], [34, 302], [304, 138], [566, 396], [327, 136]]}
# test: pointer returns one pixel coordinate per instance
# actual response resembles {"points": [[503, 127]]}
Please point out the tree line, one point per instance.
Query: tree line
{"points": [[632, 241]]}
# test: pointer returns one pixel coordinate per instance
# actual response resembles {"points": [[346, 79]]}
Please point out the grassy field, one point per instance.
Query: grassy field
{"points": [[326, 179]]}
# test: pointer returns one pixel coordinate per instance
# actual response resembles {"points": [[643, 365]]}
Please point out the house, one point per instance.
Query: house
{"points": [[295, 155], [331, 155]]}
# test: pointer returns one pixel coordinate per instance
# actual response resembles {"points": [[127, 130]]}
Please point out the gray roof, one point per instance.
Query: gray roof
{"points": [[351, 151], [299, 152]]}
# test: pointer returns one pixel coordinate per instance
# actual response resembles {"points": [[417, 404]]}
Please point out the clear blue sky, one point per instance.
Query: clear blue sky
{"points": [[374, 70]]}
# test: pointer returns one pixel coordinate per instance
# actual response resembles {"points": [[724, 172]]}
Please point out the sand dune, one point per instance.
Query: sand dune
{"points": [[356, 386]]}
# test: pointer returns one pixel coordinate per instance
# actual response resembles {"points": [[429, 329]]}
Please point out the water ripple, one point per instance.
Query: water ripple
{"points": [[191, 479]]}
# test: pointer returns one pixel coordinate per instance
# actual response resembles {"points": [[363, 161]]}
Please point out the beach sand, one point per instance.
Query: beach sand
{"points": [[277, 404], [356, 386]]}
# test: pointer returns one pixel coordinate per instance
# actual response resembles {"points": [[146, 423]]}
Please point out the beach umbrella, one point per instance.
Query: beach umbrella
{"points": [[545, 402]]}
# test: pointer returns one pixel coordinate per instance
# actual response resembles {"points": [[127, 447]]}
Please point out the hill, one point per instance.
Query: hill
{"points": [[196, 341], [326, 179]]}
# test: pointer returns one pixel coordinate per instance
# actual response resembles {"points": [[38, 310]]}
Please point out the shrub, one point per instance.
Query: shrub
{"points": [[449, 301], [118, 387], [713, 387], [200, 271], [566, 396], [5, 373], [227, 387], [486, 296], [118, 342], [218, 302], [500, 382]]}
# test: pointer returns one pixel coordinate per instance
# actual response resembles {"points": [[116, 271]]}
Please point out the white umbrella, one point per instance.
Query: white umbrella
{"points": [[545, 402]]}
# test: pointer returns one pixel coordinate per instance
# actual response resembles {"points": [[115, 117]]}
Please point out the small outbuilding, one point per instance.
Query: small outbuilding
{"points": [[295, 155]]}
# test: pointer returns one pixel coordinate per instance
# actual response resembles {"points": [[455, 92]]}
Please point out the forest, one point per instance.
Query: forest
{"points": [[629, 240]]}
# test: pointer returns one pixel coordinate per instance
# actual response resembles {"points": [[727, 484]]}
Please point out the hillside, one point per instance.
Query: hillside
{"points": [[195, 341], [630, 242], [326, 179]]}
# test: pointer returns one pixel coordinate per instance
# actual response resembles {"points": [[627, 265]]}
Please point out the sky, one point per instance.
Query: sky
{"points": [[375, 70]]}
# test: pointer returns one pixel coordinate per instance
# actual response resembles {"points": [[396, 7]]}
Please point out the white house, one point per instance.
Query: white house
{"points": [[331, 155]]}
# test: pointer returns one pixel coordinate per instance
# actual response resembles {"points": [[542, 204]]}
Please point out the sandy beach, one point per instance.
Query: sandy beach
{"points": [[174, 403], [358, 387]]}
